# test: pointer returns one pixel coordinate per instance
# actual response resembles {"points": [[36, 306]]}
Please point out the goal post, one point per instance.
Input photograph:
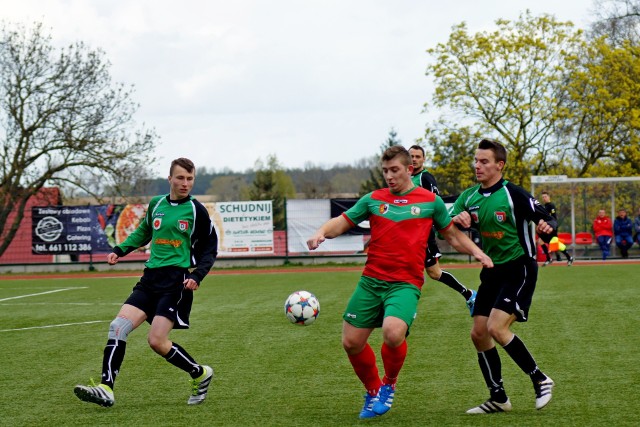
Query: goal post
{"points": [[585, 196]]}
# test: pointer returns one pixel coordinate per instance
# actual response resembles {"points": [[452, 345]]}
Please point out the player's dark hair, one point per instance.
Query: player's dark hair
{"points": [[184, 163], [544, 192], [417, 147], [499, 152], [396, 151]]}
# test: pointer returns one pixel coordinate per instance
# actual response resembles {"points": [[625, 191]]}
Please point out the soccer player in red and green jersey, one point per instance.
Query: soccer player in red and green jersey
{"points": [[503, 212], [401, 217]]}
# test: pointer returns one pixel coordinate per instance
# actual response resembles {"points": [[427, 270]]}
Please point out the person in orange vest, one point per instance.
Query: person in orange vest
{"points": [[603, 229]]}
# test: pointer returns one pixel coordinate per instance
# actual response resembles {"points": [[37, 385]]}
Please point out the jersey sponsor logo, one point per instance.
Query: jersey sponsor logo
{"points": [[401, 201], [415, 210], [500, 216], [492, 234], [157, 222], [383, 208], [183, 225], [171, 242]]}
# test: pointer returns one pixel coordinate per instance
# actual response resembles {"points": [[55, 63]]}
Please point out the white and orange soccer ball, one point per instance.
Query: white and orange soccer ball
{"points": [[302, 308]]}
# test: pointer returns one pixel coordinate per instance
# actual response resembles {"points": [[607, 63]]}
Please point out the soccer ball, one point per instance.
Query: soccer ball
{"points": [[302, 308]]}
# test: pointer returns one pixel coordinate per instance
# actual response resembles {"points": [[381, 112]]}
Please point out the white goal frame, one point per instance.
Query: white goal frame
{"points": [[563, 179]]}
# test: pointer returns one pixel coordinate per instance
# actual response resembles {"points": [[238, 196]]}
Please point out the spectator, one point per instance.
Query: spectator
{"points": [[603, 229], [636, 228], [623, 229]]}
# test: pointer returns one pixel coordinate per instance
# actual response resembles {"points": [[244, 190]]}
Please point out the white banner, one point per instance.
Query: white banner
{"points": [[304, 217], [244, 228]]}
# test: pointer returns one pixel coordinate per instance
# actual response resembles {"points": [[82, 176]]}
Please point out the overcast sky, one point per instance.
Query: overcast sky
{"points": [[226, 82]]}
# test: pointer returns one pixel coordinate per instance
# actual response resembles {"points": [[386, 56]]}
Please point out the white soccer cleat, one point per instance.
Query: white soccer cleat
{"points": [[490, 407], [543, 392]]}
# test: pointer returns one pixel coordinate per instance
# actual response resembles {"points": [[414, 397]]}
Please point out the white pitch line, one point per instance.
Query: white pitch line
{"points": [[53, 326], [40, 293]]}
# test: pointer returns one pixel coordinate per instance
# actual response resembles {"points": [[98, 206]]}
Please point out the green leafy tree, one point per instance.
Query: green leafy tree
{"points": [[604, 98], [228, 188], [62, 122], [376, 178], [510, 81], [271, 182], [452, 161]]}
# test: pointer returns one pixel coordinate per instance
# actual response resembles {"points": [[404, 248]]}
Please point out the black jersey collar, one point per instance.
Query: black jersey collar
{"points": [[495, 187]]}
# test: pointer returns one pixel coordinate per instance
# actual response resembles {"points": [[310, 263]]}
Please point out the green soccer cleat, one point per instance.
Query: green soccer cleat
{"points": [[101, 394], [200, 386]]}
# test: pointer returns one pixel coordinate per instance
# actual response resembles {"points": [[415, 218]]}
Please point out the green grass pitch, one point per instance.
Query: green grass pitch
{"points": [[583, 331]]}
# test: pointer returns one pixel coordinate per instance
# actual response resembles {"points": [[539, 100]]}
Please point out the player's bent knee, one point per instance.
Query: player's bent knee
{"points": [[120, 328]]}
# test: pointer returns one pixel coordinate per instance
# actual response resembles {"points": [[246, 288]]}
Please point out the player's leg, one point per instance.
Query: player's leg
{"points": [[362, 315], [491, 368], [128, 319], [400, 309], [436, 273], [487, 354], [363, 361], [173, 311], [545, 249], [513, 305]]}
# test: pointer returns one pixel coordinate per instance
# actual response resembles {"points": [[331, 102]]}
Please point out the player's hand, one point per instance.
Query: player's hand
{"points": [[191, 284], [315, 241], [484, 259], [543, 227], [463, 219], [112, 258]]}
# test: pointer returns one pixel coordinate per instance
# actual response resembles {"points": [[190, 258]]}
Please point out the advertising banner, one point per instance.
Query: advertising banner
{"points": [[61, 230], [244, 228]]}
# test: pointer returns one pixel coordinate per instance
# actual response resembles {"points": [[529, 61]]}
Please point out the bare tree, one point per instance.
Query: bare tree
{"points": [[619, 20], [62, 122]]}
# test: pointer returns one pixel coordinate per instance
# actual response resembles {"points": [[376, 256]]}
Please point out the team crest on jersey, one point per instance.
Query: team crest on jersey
{"points": [[383, 208], [183, 225], [415, 210], [474, 217], [500, 216], [157, 222]]}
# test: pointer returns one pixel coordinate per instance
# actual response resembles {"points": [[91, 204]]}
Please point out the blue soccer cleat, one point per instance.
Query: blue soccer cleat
{"points": [[367, 409], [471, 302], [385, 399]]}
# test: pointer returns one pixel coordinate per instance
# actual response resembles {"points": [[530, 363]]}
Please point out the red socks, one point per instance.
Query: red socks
{"points": [[393, 359], [364, 364]]}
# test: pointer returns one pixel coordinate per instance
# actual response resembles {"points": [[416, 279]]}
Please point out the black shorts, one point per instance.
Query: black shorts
{"points": [[161, 292], [433, 251], [508, 287]]}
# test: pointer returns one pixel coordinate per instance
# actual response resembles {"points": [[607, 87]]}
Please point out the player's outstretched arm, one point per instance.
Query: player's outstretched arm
{"points": [[463, 244], [330, 229]]}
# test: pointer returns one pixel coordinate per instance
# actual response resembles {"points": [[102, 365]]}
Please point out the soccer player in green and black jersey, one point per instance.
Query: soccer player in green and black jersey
{"points": [[424, 179], [502, 213], [401, 218], [182, 238]]}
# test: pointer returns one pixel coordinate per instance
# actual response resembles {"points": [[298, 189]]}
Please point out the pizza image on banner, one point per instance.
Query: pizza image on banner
{"points": [[129, 220]]}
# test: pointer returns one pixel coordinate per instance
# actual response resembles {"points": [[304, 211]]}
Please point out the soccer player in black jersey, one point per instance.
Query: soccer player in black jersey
{"points": [[183, 250], [421, 177], [551, 208], [503, 212]]}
